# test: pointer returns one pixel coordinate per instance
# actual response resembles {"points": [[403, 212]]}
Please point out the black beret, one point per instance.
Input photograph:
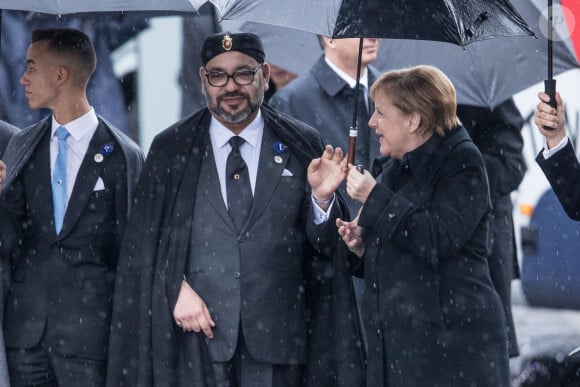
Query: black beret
{"points": [[244, 42]]}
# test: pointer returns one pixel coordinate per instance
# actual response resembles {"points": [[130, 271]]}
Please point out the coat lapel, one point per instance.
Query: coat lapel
{"points": [[86, 180], [209, 184], [270, 170], [38, 165]]}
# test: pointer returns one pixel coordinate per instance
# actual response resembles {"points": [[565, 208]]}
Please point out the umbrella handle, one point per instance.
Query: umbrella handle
{"points": [[352, 149], [550, 89], [351, 145]]}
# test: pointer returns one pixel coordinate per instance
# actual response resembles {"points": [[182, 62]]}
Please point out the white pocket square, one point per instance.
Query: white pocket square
{"points": [[286, 172], [100, 185]]}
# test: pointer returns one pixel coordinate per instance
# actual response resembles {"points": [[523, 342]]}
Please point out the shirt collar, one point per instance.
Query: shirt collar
{"points": [[347, 78], [79, 127], [251, 133]]}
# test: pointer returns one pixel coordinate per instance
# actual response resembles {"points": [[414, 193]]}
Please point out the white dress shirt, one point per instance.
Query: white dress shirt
{"points": [[81, 132], [547, 153]]}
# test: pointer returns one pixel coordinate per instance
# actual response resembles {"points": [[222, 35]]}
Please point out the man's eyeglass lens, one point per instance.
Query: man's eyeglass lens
{"points": [[241, 78]]}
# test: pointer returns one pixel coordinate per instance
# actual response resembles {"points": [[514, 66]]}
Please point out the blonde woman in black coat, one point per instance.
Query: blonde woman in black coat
{"points": [[422, 242]]}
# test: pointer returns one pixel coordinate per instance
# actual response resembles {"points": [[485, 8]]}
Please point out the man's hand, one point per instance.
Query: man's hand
{"points": [[359, 185], [351, 233], [547, 116], [326, 173], [191, 313]]}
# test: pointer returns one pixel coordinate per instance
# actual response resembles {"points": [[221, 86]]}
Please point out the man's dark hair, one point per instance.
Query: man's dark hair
{"points": [[70, 42]]}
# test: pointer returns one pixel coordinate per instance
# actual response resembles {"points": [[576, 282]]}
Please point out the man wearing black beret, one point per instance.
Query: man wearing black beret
{"points": [[231, 274]]}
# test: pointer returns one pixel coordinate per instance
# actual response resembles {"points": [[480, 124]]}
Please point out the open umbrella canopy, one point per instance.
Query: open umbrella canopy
{"points": [[61, 7], [455, 21], [487, 73]]}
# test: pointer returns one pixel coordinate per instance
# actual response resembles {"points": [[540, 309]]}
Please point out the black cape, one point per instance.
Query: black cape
{"points": [[144, 346]]}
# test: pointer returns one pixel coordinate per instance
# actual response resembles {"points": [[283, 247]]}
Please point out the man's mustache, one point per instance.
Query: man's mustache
{"points": [[233, 94]]}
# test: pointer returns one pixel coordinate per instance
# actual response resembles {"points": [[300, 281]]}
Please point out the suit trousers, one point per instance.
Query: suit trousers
{"points": [[41, 367], [245, 371]]}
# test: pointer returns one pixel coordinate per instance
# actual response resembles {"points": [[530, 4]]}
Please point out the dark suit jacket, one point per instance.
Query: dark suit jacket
{"points": [[260, 267], [429, 302], [288, 292], [563, 173], [325, 101], [62, 285]]}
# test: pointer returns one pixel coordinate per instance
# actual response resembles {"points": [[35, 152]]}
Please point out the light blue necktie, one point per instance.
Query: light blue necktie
{"points": [[59, 179]]}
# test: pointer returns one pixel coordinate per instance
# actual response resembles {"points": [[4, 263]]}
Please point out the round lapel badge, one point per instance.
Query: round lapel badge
{"points": [[98, 157], [278, 159]]}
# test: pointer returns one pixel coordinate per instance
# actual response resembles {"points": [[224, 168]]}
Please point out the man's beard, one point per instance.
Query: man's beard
{"points": [[240, 116]]}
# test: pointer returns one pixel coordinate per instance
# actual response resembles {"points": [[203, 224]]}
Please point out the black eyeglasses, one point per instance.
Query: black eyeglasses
{"points": [[241, 78]]}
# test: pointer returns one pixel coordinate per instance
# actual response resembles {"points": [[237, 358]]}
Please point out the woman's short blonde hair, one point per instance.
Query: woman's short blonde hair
{"points": [[424, 90]]}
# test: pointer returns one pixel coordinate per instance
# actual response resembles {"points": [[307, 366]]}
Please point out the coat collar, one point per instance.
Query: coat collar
{"points": [[427, 157], [330, 82]]}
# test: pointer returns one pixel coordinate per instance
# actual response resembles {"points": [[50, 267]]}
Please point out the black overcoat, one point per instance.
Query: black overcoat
{"points": [[430, 310], [144, 338]]}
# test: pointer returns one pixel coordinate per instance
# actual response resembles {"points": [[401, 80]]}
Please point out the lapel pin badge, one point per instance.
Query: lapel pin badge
{"points": [[279, 148], [106, 149]]}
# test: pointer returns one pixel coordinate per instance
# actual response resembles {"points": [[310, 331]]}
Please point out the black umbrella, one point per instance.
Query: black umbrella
{"points": [[458, 22]]}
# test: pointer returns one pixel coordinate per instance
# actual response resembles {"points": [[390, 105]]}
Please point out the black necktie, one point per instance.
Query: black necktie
{"points": [[238, 186]]}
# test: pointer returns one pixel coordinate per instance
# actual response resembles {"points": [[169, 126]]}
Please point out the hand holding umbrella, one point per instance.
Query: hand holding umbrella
{"points": [[551, 121], [359, 185]]}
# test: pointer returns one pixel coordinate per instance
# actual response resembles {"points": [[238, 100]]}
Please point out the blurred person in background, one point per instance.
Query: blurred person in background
{"points": [[279, 77], [195, 28], [497, 134]]}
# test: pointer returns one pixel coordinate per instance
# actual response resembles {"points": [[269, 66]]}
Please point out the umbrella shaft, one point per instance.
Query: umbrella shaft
{"points": [[550, 46]]}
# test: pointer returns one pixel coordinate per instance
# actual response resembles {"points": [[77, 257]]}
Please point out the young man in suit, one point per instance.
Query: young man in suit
{"points": [[229, 275], [558, 159], [68, 189]]}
